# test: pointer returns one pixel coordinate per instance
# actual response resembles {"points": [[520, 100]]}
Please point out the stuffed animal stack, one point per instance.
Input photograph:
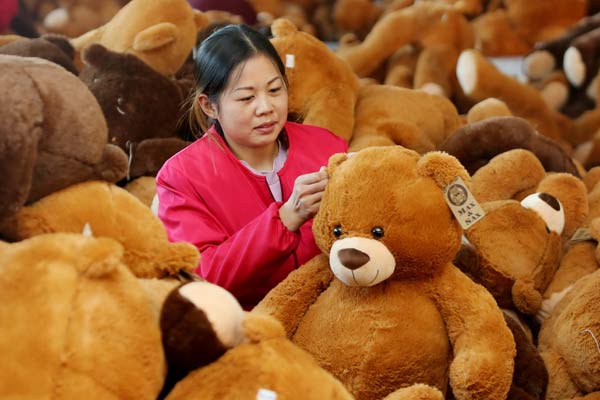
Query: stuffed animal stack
{"points": [[403, 303]]}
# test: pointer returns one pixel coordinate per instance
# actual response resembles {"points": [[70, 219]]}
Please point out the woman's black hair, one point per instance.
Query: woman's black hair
{"points": [[217, 57]]}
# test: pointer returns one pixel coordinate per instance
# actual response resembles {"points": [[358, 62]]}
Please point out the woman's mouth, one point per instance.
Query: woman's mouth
{"points": [[266, 127]]}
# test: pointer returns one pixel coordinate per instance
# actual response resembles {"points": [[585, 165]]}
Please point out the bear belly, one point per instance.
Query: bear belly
{"points": [[377, 339]]}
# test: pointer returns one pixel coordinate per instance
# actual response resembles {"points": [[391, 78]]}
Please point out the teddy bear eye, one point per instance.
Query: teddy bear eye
{"points": [[337, 231], [377, 232]]}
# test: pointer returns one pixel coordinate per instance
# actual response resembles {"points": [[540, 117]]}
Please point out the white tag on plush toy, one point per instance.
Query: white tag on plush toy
{"points": [[87, 230], [582, 235], [462, 203], [266, 394], [290, 61]]}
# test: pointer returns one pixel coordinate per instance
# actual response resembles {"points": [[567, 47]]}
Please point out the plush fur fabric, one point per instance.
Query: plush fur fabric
{"points": [[53, 134], [74, 315], [110, 211], [569, 345], [427, 322], [160, 32]]}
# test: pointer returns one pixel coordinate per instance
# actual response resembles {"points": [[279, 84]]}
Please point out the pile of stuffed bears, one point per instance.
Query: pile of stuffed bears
{"points": [[465, 265]]}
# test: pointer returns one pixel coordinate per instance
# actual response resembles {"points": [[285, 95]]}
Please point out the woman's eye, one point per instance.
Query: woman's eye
{"points": [[275, 90], [246, 98]]}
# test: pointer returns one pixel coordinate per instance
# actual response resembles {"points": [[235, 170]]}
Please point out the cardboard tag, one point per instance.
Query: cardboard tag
{"points": [[462, 203], [582, 235], [266, 394], [290, 61]]}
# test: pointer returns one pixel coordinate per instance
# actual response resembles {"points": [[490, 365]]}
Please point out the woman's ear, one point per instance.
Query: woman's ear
{"points": [[207, 106]]}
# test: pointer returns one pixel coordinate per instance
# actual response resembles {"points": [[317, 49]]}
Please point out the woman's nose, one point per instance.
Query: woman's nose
{"points": [[264, 105]]}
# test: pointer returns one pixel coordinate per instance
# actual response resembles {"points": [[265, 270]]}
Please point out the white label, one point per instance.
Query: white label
{"points": [[266, 394], [582, 235], [462, 203], [290, 61], [87, 230]]}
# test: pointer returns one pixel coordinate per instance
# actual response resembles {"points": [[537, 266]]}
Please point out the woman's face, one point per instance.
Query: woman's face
{"points": [[253, 107]]}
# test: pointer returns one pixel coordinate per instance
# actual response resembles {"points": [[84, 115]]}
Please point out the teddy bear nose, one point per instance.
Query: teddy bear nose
{"points": [[352, 258]]}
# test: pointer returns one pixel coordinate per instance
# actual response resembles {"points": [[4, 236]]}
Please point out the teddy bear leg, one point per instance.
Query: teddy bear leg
{"points": [[580, 59], [435, 66], [526, 297]]}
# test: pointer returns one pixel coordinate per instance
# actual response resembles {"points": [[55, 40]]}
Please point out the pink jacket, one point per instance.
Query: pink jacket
{"points": [[209, 198]]}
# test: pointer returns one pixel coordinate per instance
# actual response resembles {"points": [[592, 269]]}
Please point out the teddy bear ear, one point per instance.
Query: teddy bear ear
{"points": [[62, 42], [334, 161], [282, 27], [200, 20], [442, 168], [94, 54]]}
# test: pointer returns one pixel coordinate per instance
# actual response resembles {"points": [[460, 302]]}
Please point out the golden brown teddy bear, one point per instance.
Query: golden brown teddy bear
{"points": [[533, 229], [74, 316], [316, 77], [161, 33], [568, 343], [109, 211], [384, 307]]}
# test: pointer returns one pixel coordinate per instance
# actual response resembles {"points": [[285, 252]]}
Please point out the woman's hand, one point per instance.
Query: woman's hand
{"points": [[305, 200]]}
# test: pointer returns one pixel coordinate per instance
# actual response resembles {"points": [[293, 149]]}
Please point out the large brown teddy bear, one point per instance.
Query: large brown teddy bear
{"points": [[568, 343], [160, 32], [52, 134], [384, 307], [74, 316], [144, 109], [316, 77]]}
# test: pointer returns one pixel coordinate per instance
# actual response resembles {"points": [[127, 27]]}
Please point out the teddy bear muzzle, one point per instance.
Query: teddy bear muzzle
{"points": [[361, 261]]}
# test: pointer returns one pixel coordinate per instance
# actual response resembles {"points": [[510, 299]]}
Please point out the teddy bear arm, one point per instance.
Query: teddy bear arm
{"points": [[578, 261], [434, 69], [483, 361], [480, 79], [380, 43], [150, 154], [291, 298], [113, 165], [18, 161], [560, 384]]}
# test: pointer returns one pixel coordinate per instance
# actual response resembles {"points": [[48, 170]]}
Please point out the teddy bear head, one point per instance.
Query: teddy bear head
{"points": [[316, 75], [143, 108], [51, 47], [53, 133], [161, 33], [398, 224]]}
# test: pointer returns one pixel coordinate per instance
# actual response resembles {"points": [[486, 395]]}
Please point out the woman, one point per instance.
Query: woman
{"points": [[246, 191]]}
